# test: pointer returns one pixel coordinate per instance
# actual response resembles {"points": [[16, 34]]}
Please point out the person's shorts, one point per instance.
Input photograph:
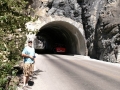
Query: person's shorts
{"points": [[28, 69]]}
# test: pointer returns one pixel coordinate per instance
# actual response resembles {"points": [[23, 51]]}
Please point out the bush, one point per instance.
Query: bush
{"points": [[13, 16]]}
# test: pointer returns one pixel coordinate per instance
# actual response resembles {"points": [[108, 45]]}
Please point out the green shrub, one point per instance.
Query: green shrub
{"points": [[13, 16]]}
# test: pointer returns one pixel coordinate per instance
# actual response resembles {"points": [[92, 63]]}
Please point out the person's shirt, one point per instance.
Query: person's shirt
{"points": [[28, 51]]}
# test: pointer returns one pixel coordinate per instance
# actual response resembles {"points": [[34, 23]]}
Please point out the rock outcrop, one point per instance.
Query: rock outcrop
{"points": [[100, 20], [102, 28]]}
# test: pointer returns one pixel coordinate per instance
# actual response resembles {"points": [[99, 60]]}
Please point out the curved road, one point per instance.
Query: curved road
{"points": [[67, 72]]}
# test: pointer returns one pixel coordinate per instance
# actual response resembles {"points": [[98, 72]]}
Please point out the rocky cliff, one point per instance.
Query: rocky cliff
{"points": [[101, 25], [100, 20]]}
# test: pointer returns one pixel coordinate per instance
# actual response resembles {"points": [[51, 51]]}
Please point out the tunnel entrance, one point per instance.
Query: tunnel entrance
{"points": [[55, 37], [59, 37]]}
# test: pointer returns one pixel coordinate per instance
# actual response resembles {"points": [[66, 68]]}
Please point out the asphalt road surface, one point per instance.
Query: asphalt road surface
{"points": [[68, 72]]}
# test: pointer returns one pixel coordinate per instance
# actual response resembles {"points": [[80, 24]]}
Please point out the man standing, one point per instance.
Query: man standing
{"points": [[28, 54]]}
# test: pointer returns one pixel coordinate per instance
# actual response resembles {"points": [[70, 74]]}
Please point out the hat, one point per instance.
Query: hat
{"points": [[29, 41]]}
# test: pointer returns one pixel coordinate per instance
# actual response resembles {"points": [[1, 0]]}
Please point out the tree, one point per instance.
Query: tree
{"points": [[13, 16]]}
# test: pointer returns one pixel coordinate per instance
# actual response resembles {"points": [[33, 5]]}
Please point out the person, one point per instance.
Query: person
{"points": [[28, 55]]}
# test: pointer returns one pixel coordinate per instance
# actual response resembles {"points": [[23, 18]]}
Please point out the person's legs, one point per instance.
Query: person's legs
{"points": [[27, 79], [26, 71], [32, 68], [24, 80], [31, 71]]}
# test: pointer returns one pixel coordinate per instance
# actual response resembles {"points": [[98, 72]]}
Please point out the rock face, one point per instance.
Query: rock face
{"points": [[100, 20], [101, 25]]}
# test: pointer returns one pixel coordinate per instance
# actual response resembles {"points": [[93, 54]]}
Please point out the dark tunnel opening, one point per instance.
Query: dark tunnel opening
{"points": [[60, 37], [55, 37]]}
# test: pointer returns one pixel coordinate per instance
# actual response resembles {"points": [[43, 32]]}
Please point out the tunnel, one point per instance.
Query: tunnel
{"points": [[60, 34]]}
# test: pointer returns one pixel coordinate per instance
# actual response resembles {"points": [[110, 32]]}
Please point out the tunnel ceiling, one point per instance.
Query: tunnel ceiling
{"points": [[55, 33]]}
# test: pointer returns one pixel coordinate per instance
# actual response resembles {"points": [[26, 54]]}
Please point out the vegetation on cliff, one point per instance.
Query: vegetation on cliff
{"points": [[13, 16]]}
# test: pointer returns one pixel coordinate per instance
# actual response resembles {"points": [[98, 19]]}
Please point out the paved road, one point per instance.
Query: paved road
{"points": [[61, 72]]}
